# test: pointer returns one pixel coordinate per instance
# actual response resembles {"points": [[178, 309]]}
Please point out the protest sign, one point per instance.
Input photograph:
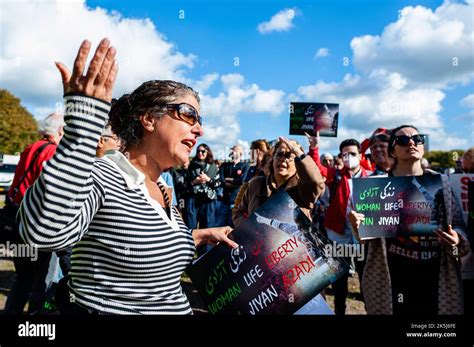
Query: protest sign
{"points": [[459, 186], [313, 117], [396, 206], [279, 266]]}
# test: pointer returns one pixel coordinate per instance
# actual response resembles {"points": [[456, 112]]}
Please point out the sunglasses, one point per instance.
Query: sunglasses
{"points": [[113, 137], [404, 140], [186, 113], [287, 155], [202, 151]]}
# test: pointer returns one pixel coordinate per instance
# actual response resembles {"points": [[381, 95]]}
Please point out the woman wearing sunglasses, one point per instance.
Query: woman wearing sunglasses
{"points": [[418, 274], [130, 245], [290, 170], [203, 179]]}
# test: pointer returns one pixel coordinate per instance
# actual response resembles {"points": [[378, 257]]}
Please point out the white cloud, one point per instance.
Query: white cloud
{"points": [[379, 100], [204, 83], [401, 75], [425, 46], [281, 21], [468, 101], [48, 32], [322, 52], [221, 111]]}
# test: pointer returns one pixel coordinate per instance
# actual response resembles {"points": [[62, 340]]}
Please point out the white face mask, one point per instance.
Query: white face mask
{"points": [[351, 162]]}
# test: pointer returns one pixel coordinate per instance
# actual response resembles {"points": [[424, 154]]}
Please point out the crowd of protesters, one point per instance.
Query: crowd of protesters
{"points": [[322, 187], [171, 207]]}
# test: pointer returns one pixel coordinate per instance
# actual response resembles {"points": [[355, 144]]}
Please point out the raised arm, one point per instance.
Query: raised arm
{"points": [[328, 173], [311, 182], [58, 208]]}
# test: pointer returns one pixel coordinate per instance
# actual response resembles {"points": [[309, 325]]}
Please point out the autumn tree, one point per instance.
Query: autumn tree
{"points": [[18, 128], [444, 159]]}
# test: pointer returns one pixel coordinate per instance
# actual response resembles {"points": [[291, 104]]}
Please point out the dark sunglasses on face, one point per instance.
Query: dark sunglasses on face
{"points": [[404, 140], [186, 113], [113, 137], [287, 155], [201, 151]]}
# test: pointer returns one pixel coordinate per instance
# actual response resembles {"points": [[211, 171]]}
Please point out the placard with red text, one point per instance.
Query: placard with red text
{"points": [[280, 265]]}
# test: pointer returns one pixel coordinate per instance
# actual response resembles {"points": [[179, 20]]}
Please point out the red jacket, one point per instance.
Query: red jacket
{"points": [[335, 218], [25, 159]]}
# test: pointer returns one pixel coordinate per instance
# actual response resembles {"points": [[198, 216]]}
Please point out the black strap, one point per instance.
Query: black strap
{"points": [[32, 162]]}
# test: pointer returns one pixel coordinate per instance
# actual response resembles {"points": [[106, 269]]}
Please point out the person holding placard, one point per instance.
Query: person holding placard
{"points": [[417, 274], [336, 223], [290, 170]]}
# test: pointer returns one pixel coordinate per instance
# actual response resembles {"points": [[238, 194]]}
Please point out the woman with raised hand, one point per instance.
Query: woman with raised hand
{"points": [[130, 245], [290, 170], [417, 274]]}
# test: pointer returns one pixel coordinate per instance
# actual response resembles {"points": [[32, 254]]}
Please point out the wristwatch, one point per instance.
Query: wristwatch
{"points": [[300, 158]]}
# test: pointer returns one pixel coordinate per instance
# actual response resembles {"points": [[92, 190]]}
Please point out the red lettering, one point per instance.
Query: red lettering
{"points": [[281, 253], [465, 182], [292, 276], [269, 262], [299, 272], [276, 259], [286, 281]]}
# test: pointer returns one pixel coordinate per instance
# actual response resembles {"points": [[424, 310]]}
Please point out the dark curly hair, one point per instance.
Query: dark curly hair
{"points": [[150, 97], [209, 158]]}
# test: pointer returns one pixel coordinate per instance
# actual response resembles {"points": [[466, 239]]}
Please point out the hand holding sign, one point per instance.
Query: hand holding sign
{"points": [[449, 238], [214, 236], [205, 178], [355, 219]]}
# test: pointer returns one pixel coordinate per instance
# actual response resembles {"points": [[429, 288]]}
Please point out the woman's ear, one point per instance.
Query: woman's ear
{"points": [[148, 122], [101, 142]]}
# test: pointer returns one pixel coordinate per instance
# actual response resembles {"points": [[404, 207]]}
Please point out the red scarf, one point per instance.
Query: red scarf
{"points": [[335, 218]]}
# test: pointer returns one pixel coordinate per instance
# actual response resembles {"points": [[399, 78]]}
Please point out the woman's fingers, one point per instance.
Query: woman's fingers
{"points": [[106, 67], [65, 75], [355, 219], [80, 62], [109, 83], [441, 238], [229, 242], [281, 138], [224, 238], [449, 237], [96, 62], [101, 74]]}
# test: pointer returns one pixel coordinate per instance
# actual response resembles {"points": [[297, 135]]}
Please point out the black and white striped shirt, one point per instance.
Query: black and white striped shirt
{"points": [[128, 256]]}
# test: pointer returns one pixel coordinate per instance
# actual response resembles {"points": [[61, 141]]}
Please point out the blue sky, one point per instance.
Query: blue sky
{"points": [[214, 33]]}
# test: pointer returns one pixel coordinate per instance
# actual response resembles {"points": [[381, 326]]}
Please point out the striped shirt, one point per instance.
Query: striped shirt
{"points": [[128, 254]]}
